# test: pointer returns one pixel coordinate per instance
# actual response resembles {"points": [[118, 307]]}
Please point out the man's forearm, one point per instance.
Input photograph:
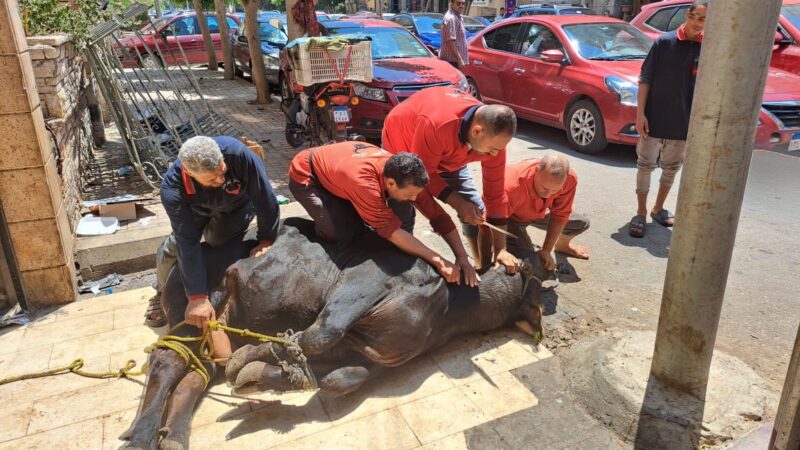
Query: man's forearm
{"points": [[641, 98], [454, 241], [554, 229], [408, 243], [451, 46]]}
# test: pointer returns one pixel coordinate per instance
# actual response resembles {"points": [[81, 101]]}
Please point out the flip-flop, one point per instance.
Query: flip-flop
{"points": [[662, 216], [637, 226]]}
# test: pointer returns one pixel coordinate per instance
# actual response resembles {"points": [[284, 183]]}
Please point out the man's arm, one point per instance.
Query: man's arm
{"points": [[642, 125], [408, 243], [259, 190]]}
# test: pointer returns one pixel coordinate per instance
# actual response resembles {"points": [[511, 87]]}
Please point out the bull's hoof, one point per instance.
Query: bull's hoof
{"points": [[171, 444], [249, 353], [344, 381], [259, 376]]}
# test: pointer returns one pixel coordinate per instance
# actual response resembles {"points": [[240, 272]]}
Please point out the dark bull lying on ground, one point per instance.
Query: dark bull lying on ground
{"points": [[361, 309]]}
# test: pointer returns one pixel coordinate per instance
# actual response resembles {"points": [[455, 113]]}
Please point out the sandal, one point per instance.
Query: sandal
{"points": [[663, 217], [154, 317], [637, 226]]}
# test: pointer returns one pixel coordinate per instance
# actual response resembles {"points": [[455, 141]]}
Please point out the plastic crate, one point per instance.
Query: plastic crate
{"points": [[311, 65]]}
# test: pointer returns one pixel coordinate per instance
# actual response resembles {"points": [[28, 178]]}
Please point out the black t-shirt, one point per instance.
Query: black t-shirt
{"points": [[670, 69]]}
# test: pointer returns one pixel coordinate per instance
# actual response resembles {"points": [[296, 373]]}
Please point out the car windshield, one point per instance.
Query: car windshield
{"points": [[428, 24], [584, 11], [608, 41], [158, 22], [388, 42], [472, 24], [792, 13], [268, 33]]}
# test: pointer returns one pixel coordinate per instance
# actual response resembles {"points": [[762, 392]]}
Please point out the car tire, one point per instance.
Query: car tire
{"points": [[152, 62], [472, 87], [586, 131]]}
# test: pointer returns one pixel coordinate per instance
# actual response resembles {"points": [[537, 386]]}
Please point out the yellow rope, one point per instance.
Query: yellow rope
{"points": [[168, 341]]}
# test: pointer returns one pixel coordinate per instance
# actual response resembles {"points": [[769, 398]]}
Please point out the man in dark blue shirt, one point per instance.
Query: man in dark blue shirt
{"points": [[666, 88], [212, 191]]}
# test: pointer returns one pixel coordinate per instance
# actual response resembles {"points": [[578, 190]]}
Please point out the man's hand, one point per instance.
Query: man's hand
{"points": [[547, 259], [470, 276], [642, 125], [199, 312], [451, 273], [470, 213], [508, 260], [260, 249]]}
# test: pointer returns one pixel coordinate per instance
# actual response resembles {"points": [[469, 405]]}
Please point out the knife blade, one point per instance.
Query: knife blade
{"points": [[496, 228]]}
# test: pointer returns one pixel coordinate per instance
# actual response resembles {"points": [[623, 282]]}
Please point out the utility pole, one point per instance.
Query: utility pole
{"points": [[157, 6], [379, 8], [786, 434], [733, 69], [293, 29]]}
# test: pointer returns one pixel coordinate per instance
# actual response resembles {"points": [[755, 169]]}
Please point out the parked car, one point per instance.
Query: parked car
{"points": [[402, 65], [580, 73], [474, 25], [486, 21], [272, 41], [428, 27], [548, 9], [662, 17], [171, 37], [779, 121]]}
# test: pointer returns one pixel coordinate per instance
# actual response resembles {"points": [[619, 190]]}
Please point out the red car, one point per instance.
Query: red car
{"points": [[587, 87], [402, 65], [661, 17], [171, 35], [779, 120]]}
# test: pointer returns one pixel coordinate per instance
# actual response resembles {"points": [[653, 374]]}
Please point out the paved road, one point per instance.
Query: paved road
{"points": [[622, 281]]}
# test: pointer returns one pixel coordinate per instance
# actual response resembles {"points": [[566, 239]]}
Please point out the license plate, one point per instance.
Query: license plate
{"points": [[341, 114], [794, 144]]}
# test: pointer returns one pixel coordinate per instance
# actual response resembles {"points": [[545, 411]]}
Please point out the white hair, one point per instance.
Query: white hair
{"points": [[200, 154], [555, 164]]}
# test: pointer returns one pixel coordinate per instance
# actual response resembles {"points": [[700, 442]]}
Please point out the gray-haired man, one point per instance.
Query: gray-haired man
{"points": [[211, 192]]}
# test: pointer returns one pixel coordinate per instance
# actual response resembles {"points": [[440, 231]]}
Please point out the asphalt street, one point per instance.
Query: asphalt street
{"points": [[622, 281]]}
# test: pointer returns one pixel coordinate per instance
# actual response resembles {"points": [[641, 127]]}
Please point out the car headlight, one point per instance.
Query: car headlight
{"points": [[272, 62], [369, 93], [462, 84], [626, 90]]}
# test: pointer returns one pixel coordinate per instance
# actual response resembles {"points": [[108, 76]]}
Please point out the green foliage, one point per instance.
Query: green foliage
{"points": [[51, 16]]}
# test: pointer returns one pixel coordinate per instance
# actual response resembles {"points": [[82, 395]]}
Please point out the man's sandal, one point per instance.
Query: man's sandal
{"points": [[663, 217], [637, 226], [154, 317]]}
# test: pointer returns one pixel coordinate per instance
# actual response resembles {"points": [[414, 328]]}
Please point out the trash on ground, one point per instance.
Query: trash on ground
{"points": [[117, 199], [91, 225], [96, 286], [14, 316], [125, 171], [282, 200]]}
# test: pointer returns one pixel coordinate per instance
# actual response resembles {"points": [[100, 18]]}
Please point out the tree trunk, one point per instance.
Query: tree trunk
{"points": [[257, 70], [201, 20], [224, 36]]}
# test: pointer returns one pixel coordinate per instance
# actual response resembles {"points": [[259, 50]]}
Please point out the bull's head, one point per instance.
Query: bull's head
{"points": [[529, 316]]}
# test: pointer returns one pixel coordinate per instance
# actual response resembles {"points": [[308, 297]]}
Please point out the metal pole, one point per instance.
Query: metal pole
{"points": [[733, 69], [786, 434]]}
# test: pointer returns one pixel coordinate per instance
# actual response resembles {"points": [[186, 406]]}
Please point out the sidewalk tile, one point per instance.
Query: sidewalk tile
{"points": [[441, 415], [78, 436]]}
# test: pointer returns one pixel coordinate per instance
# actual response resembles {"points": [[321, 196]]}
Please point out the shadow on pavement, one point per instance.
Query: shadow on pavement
{"points": [[542, 137], [656, 239]]}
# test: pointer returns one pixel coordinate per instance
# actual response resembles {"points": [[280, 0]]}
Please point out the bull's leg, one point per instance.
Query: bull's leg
{"points": [[345, 380], [345, 306], [166, 370], [182, 402], [259, 376]]}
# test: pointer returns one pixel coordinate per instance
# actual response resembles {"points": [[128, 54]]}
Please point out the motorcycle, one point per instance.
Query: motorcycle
{"points": [[317, 91], [319, 114]]}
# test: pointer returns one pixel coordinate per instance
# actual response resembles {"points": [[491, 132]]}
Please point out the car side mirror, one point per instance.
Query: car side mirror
{"points": [[780, 39], [242, 39], [276, 23], [553, 56], [166, 32]]}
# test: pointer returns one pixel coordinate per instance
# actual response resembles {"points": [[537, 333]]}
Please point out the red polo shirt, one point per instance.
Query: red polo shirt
{"points": [[525, 206], [354, 171], [429, 125]]}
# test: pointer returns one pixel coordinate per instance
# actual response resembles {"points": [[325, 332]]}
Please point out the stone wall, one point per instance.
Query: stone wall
{"points": [[62, 79]]}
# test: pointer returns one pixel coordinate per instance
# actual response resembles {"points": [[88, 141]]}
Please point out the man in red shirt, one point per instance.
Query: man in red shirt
{"points": [[540, 193], [383, 189], [447, 129]]}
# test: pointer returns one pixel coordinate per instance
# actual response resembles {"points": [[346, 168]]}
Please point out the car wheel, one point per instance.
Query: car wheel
{"points": [[586, 131], [472, 88], [151, 62]]}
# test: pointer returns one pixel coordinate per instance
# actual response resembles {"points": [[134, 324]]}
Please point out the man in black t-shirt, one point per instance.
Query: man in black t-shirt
{"points": [[666, 88]]}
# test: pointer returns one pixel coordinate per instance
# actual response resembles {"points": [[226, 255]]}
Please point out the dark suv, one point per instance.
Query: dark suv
{"points": [[537, 9]]}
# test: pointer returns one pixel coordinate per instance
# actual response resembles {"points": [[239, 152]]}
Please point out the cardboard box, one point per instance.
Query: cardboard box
{"points": [[122, 210]]}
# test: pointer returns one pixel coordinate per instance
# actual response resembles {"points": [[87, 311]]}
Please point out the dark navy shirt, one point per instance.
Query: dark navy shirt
{"points": [[246, 182], [670, 69]]}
